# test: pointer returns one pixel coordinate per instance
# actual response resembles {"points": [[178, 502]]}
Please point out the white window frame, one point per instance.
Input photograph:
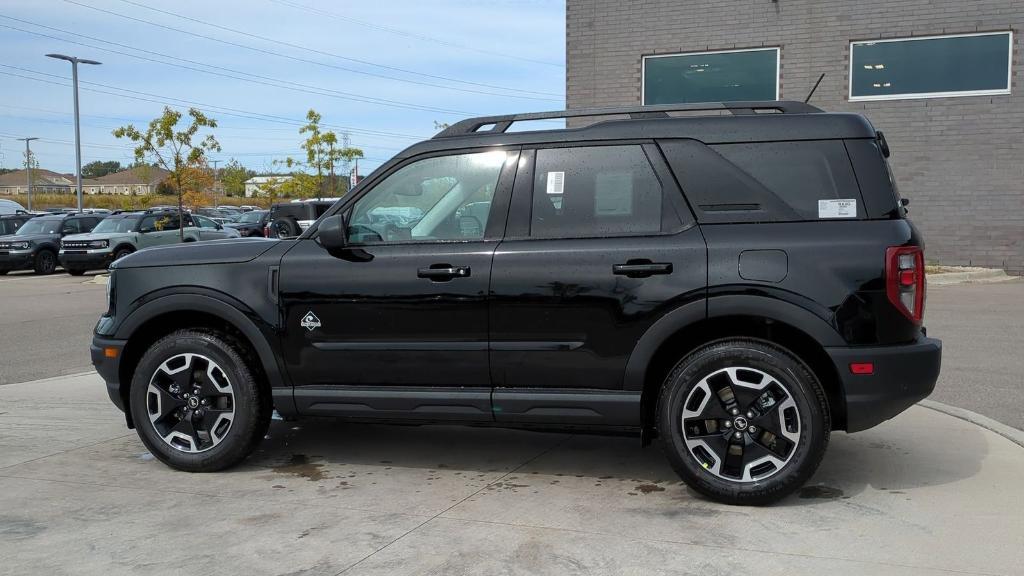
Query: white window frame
{"points": [[926, 95], [643, 64]]}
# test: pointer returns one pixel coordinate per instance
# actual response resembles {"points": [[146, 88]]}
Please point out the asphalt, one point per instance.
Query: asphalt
{"points": [[923, 494]]}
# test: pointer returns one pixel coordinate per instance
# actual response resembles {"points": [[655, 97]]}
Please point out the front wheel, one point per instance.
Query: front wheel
{"points": [[195, 402], [743, 421], [45, 262]]}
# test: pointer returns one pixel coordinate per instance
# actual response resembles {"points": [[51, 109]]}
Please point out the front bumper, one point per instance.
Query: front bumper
{"points": [[16, 259], [86, 259], [108, 365], [902, 376]]}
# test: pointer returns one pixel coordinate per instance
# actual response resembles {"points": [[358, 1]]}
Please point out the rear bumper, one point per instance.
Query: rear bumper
{"points": [[902, 376], [107, 366], [98, 260]]}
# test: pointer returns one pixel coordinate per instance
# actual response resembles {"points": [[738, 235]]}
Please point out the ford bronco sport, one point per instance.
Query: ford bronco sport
{"points": [[36, 243], [738, 285]]}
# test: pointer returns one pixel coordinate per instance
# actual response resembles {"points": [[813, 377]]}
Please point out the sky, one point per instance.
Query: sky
{"points": [[384, 72]]}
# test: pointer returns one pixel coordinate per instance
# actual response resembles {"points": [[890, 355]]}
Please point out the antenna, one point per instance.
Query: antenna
{"points": [[816, 84]]}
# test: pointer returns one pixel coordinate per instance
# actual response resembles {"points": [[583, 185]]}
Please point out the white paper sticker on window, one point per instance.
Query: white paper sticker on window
{"points": [[556, 182], [837, 208]]}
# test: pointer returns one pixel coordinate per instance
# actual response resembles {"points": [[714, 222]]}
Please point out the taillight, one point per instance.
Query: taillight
{"points": [[266, 231], [904, 280]]}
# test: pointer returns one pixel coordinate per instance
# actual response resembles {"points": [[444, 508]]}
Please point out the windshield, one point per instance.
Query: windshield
{"points": [[41, 226], [250, 217], [116, 225]]}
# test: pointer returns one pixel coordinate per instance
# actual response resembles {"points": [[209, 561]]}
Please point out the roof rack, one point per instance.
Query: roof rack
{"points": [[499, 124]]}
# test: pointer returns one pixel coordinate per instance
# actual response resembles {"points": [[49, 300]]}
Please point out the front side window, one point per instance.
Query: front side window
{"points": [[711, 77], [944, 66], [159, 223], [435, 199], [203, 221], [595, 191]]}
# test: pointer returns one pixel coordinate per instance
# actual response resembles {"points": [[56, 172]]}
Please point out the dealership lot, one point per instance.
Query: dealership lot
{"points": [[925, 493]]}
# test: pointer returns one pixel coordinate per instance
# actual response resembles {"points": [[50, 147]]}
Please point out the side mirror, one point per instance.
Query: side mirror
{"points": [[332, 233]]}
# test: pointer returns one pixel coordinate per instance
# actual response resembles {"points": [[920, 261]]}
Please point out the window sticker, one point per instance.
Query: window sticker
{"points": [[837, 208], [556, 182]]}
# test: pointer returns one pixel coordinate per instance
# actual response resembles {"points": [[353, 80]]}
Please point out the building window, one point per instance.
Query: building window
{"points": [[931, 67], [727, 76]]}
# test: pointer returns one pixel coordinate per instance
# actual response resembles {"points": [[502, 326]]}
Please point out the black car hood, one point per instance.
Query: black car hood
{"points": [[28, 237], [233, 251]]}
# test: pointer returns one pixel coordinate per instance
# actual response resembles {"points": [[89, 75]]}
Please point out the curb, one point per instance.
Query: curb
{"points": [[1008, 432], [969, 275]]}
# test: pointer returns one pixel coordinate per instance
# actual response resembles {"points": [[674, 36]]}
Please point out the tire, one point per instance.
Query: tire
{"points": [[45, 262], [121, 253], [779, 448], [285, 228], [75, 271], [230, 406], [4, 272]]}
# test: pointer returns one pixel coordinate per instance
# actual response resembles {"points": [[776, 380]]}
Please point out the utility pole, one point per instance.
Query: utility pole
{"points": [[78, 141], [28, 168], [214, 162]]}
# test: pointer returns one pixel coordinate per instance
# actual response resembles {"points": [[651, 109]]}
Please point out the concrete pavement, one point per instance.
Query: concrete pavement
{"points": [[925, 493]]}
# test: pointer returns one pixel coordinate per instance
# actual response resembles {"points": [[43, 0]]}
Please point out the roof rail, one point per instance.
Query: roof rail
{"points": [[499, 124]]}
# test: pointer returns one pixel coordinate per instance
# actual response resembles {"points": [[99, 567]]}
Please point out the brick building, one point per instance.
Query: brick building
{"points": [[939, 77]]}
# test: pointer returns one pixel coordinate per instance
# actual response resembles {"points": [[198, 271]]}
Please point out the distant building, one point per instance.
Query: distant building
{"points": [[259, 185], [43, 182], [134, 181]]}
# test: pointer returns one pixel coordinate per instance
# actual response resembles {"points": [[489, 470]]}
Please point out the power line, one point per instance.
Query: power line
{"points": [[408, 34], [261, 80], [324, 53], [212, 108]]}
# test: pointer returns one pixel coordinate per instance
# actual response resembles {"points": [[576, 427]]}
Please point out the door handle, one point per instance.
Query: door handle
{"points": [[443, 272], [641, 268]]}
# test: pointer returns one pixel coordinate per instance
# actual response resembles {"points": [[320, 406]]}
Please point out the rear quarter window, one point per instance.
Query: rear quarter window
{"points": [[766, 181]]}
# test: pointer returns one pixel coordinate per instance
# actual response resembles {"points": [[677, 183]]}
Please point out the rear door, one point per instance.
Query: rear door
{"points": [[600, 244]]}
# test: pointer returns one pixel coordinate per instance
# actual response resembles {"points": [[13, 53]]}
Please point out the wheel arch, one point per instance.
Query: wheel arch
{"points": [[164, 315], [683, 330], [123, 246]]}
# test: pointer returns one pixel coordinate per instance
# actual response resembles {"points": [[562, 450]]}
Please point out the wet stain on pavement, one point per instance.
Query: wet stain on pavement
{"points": [[820, 492], [648, 488], [17, 528], [299, 465]]}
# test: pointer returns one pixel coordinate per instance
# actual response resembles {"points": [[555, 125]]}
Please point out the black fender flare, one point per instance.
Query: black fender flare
{"points": [[214, 304], [721, 307]]}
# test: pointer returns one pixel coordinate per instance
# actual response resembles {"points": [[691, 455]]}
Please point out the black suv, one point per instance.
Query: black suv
{"points": [[289, 219], [9, 223], [738, 284], [36, 243]]}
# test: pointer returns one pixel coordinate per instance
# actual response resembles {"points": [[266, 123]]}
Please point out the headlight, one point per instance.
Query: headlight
{"points": [[20, 245], [99, 244]]}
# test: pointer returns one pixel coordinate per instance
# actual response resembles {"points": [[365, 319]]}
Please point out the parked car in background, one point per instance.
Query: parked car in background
{"points": [[10, 207], [229, 209], [250, 224], [289, 219], [121, 234], [9, 223], [247, 208], [209, 229], [36, 243]]}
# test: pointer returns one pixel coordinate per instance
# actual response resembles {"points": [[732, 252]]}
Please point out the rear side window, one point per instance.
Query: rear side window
{"points": [[595, 191], [767, 181]]}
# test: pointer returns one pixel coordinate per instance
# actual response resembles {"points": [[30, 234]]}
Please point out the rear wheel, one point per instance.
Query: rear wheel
{"points": [[45, 262], [743, 421], [195, 402]]}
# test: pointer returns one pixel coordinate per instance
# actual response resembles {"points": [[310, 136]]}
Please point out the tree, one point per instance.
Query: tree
{"points": [[233, 176], [322, 154], [174, 149], [100, 168], [30, 160]]}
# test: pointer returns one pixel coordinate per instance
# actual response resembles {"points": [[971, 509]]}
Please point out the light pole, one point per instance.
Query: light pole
{"points": [[28, 168], [78, 142]]}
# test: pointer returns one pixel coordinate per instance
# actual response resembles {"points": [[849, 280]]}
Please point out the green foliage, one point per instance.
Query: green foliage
{"points": [[174, 149], [233, 177], [322, 155], [100, 168]]}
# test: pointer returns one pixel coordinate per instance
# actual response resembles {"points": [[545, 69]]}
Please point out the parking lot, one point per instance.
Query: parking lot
{"points": [[926, 493]]}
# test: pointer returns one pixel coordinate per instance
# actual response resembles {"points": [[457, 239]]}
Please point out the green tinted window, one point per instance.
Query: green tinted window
{"points": [[711, 77], [961, 65]]}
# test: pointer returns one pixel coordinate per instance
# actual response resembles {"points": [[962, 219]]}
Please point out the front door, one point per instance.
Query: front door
{"points": [[158, 229], [600, 244], [403, 311]]}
